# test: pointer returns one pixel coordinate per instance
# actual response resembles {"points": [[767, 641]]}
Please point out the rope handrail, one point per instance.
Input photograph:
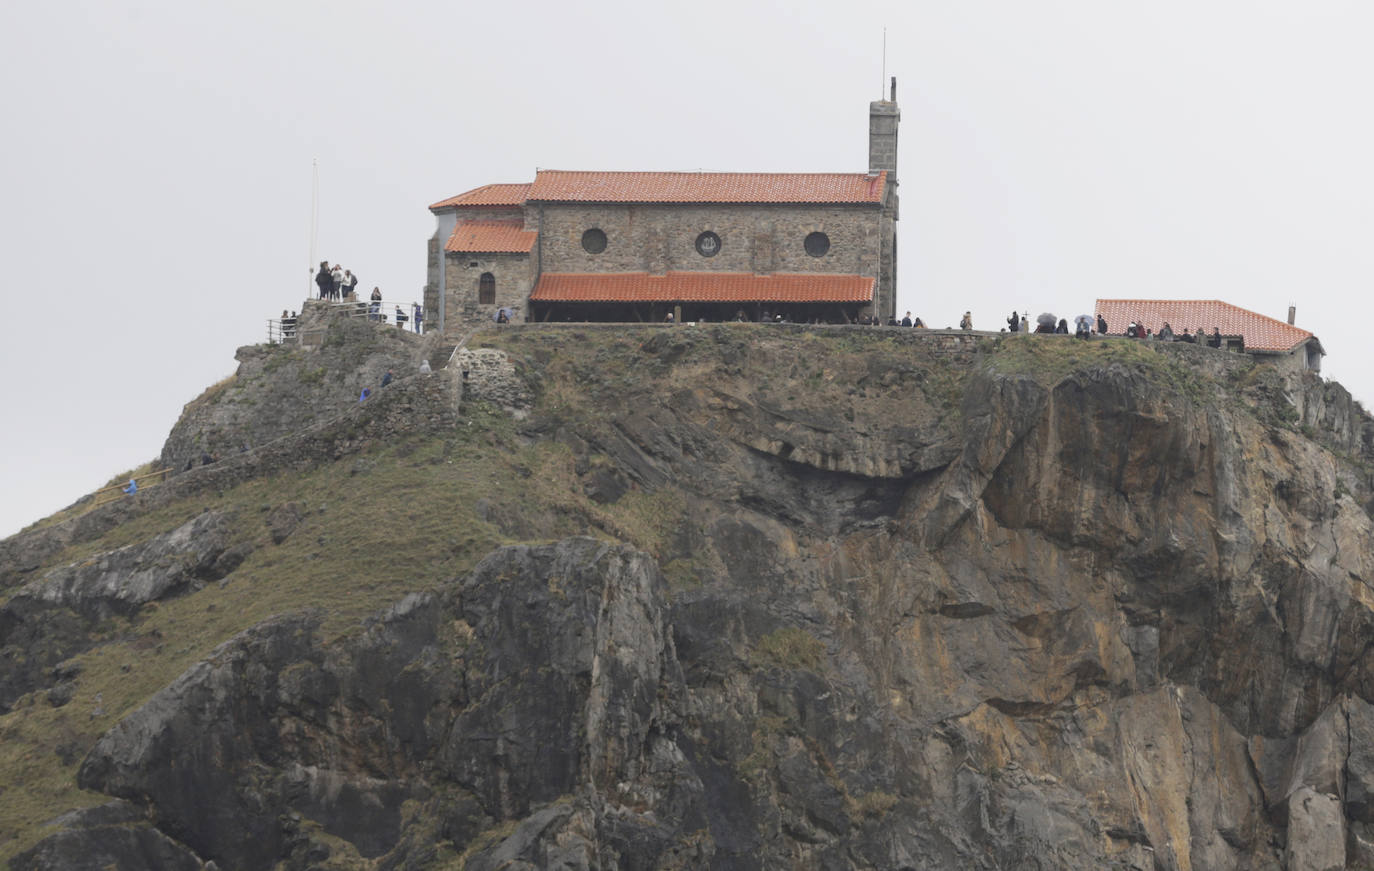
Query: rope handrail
{"points": [[154, 474], [118, 491]]}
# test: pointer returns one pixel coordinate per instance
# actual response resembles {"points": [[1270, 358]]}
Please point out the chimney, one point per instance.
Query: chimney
{"points": [[1292, 314]]}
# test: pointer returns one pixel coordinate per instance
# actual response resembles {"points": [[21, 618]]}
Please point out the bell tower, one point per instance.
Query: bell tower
{"points": [[883, 118]]}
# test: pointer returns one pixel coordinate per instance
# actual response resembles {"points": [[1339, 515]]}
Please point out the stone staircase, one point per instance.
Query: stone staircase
{"points": [[438, 358]]}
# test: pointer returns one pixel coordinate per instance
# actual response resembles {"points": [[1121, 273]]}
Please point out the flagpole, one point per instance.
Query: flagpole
{"points": [[314, 220]]}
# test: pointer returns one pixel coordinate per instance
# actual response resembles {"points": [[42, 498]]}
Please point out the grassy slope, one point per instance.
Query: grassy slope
{"points": [[398, 519], [406, 517]]}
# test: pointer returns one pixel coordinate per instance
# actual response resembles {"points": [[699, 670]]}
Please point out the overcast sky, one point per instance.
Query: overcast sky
{"points": [[156, 164]]}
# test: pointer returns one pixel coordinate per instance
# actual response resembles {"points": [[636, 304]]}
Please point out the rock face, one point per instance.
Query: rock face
{"points": [[51, 619], [115, 835], [279, 389], [994, 607], [546, 674]]}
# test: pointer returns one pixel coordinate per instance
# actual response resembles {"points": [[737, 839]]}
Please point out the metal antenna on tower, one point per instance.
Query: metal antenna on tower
{"points": [[882, 83]]}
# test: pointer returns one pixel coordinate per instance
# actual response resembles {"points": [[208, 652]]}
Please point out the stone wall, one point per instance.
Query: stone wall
{"points": [[760, 239], [431, 301], [514, 274], [488, 375]]}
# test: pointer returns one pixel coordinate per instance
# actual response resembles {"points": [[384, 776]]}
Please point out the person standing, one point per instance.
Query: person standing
{"points": [[419, 315], [1101, 325], [350, 283], [323, 280], [374, 310], [1014, 322], [966, 322], [337, 276]]}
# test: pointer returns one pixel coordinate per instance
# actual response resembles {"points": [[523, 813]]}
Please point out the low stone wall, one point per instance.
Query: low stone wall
{"points": [[962, 345]]}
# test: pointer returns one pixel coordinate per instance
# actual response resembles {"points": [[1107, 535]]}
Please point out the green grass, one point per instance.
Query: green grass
{"points": [[417, 513], [376, 526], [789, 647], [1049, 359]]}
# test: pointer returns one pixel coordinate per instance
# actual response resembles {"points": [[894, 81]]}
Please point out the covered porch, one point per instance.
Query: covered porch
{"points": [[700, 296]]}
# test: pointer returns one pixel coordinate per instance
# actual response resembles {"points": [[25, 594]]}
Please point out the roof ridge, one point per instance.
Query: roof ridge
{"points": [[712, 272], [865, 173]]}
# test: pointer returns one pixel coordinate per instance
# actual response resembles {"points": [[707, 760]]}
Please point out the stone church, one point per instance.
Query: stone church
{"points": [[637, 246]]}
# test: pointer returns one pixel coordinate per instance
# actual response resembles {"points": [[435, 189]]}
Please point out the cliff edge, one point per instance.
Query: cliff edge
{"points": [[735, 597]]}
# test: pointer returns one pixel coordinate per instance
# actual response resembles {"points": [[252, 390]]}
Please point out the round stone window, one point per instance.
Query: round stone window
{"points": [[594, 241], [817, 244], [708, 244]]}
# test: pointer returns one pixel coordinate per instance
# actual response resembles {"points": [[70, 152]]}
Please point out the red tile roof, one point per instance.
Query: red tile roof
{"points": [[487, 195], [491, 237], [701, 287], [708, 187], [1261, 333]]}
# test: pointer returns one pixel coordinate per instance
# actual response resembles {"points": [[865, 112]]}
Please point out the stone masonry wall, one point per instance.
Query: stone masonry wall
{"points": [[432, 260], [514, 274], [754, 238]]}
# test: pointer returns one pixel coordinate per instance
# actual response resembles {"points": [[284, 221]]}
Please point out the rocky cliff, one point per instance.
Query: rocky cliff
{"points": [[732, 597]]}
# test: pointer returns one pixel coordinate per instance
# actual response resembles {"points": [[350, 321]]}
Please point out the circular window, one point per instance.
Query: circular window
{"points": [[708, 244], [593, 241], [817, 244]]}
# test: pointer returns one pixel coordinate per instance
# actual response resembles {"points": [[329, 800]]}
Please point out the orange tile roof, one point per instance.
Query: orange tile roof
{"points": [[487, 195], [1262, 333], [708, 187], [701, 287], [491, 237]]}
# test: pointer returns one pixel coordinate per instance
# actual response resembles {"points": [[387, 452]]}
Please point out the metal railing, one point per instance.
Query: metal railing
{"points": [[385, 311]]}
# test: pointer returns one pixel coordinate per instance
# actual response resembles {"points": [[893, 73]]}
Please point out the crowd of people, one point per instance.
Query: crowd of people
{"points": [[1083, 327], [335, 282]]}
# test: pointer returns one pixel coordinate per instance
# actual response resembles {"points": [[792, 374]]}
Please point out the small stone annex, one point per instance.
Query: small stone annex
{"points": [[640, 246]]}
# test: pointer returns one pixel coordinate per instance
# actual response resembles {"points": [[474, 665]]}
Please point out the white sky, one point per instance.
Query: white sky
{"points": [[155, 164]]}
